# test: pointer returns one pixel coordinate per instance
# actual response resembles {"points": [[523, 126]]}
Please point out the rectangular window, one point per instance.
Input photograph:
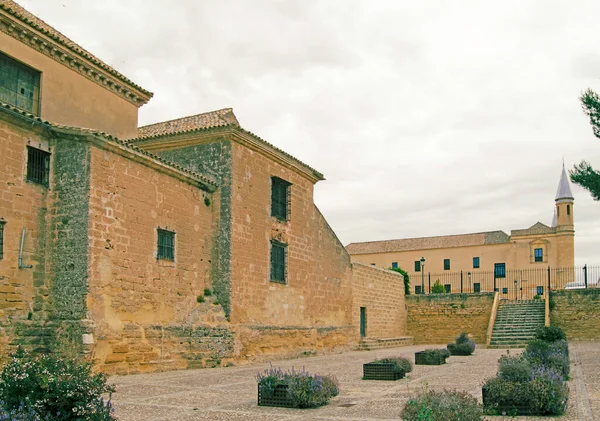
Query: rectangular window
{"points": [[504, 290], [2, 222], [446, 264], [499, 270], [38, 166], [417, 266], [477, 287], [166, 245], [394, 265], [278, 261], [280, 196], [19, 85], [539, 255], [448, 288], [417, 289], [475, 262], [540, 290]]}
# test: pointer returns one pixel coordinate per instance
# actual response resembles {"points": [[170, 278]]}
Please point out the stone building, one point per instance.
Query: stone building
{"points": [[185, 243], [530, 251]]}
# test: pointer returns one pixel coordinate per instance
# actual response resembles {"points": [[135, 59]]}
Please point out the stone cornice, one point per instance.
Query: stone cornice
{"points": [[77, 59]]}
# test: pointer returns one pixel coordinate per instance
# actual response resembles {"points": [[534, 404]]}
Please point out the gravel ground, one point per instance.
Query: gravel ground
{"points": [[231, 393]]}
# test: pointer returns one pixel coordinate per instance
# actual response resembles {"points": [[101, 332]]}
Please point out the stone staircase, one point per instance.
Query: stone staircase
{"points": [[370, 344], [516, 323]]}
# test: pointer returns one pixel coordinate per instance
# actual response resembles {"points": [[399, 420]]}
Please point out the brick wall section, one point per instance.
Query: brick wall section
{"points": [[439, 318], [145, 310], [577, 312], [381, 292]]}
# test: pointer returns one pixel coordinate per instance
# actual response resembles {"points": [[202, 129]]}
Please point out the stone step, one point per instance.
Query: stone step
{"points": [[369, 344]]}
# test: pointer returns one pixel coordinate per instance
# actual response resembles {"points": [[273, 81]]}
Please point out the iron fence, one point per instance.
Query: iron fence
{"points": [[510, 283]]}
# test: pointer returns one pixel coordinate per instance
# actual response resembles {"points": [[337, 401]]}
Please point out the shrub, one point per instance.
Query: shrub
{"points": [[549, 391], [305, 390], [207, 292], [438, 288], [550, 334], [432, 356], [442, 406], [400, 364], [551, 354], [54, 388], [502, 395], [463, 345], [514, 369], [406, 279], [200, 298]]}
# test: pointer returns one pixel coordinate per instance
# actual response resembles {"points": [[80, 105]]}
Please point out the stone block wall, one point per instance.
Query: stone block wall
{"points": [[439, 318], [577, 312], [381, 293]]}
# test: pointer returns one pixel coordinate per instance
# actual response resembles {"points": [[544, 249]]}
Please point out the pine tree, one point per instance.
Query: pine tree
{"points": [[583, 174]]}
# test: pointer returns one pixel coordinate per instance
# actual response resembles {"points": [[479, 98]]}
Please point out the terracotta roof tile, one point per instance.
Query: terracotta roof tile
{"points": [[423, 243], [218, 118], [33, 21]]}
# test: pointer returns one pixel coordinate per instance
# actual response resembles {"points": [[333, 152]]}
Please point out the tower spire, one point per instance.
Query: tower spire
{"points": [[564, 187]]}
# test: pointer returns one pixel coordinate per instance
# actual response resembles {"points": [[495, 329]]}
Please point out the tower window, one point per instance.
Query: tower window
{"points": [[538, 255], [446, 264], [166, 245], [568, 209], [19, 85], [280, 196], [38, 166], [558, 211]]}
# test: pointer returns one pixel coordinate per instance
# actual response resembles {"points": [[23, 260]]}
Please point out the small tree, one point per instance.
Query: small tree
{"points": [[406, 279], [583, 174], [438, 288]]}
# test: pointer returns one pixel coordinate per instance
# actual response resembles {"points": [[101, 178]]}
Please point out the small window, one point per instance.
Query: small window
{"points": [[540, 290], [475, 262], [446, 264], [166, 245], [394, 265], [373, 264], [278, 261], [539, 255], [19, 85], [568, 209], [2, 222], [448, 288], [477, 287], [499, 270], [504, 290], [417, 266], [280, 195], [38, 166], [417, 289], [558, 211]]}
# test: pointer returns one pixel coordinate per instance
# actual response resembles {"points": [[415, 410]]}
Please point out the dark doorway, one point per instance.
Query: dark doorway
{"points": [[363, 322]]}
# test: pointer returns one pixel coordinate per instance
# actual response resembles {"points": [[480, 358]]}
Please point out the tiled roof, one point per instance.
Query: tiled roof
{"points": [[218, 118], [424, 243], [209, 181], [33, 21], [537, 228]]}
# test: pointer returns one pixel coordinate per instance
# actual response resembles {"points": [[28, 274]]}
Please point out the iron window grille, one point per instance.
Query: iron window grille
{"points": [[539, 255], [499, 270], [166, 245], [280, 198], [2, 222], [504, 290], [278, 261], [394, 265], [475, 262], [417, 266], [19, 85], [446, 264], [38, 166]]}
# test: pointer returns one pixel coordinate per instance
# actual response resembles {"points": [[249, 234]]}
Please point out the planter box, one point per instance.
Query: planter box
{"points": [[381, 372], [279, 397], [453, 351], [421, 359], [510, 410]]}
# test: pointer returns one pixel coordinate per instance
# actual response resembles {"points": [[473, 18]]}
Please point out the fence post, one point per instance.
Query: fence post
{"points": [[548, 279], [585, 275], [429, 276], [495, 289], [461, 282]]}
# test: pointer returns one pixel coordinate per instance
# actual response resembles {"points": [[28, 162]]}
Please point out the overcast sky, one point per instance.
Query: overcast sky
{"points": [[426, 118]]}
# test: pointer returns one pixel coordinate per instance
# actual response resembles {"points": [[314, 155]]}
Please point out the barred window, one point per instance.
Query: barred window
{"points": [[166, 245], [278, 261], [19, 85], [38, 166], [500, 270], [475, 262], [446, 264], [280, 196], [417, 266], [2, 222]]}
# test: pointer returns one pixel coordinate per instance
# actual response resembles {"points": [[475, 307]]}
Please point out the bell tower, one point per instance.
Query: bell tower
{"points": [[565, 226]]}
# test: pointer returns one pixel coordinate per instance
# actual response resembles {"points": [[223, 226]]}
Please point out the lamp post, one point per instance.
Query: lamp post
{"points": [[422, 275], [469, 275], [516, 294]]}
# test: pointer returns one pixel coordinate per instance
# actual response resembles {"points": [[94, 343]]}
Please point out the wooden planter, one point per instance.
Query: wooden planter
{"points": [[374, 371], [279, 397], [421, 359], [510, 410]]}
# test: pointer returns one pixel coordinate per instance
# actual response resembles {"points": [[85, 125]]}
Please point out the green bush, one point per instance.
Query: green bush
{"points": [[400, 364], [550, 334], [305, 390], [438, 288], [207, 292], [514, 369], [462, 346], [551, 354], [54, 388], [406, 279], [442, 406]]}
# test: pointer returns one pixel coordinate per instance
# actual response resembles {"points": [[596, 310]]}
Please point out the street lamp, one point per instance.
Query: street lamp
{"points": [[422, 275], [469, 275], [516, 293]]}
